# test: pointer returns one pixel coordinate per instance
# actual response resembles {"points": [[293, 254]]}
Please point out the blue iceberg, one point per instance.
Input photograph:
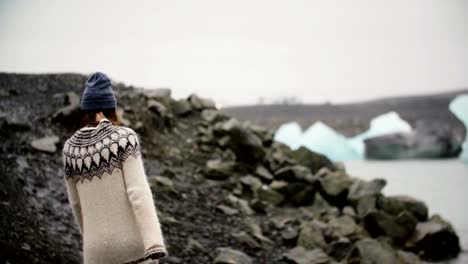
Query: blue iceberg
{"points": [[325, 140], [319, 138], [290, 134], [459, 106], [381, 125]]}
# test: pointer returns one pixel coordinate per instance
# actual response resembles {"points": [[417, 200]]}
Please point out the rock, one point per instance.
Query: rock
{"points": [[349, 211], [319, 205], [263, 173], [365, 205], [245, 208], [399, 227], [265, 193], [45, 144], [181, 107], [226, 209], [241, 204], [310, 236], [259, 205], [339, 249], [26, 246], [193, 244], [69, 111], [301, 193], [251, 182], [280, 221], [300, 255], [335, 187], [343, 226], [395, 204], [164, 183], [247, 146], [289, 235], [339, 166], [256, 231], [201, 103], [226, 255], [246, 239], [362, 188], [408, 257], [279, 186], [322, 172], [157, 107], [295, 173], [213, 116], [434, 240], [312, 160], [218, 170], [370, 251]]}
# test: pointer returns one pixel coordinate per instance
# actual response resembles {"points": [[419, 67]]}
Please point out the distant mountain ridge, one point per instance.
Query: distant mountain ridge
{"points": [[353, 118]]}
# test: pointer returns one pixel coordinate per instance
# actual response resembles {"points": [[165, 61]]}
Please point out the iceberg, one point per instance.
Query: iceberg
{"points": [[459, 106], [289, 134], [325, 140], [319, 138], [387, 123]]}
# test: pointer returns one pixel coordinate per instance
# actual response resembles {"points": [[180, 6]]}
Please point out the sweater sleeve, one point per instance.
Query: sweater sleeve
{"points": [[74, 201], [141, 199]]}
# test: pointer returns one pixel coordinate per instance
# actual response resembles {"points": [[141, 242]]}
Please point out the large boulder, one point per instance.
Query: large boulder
{"points": [[396, 204], [247, 146], [312, 160], [399, 227], [335, 187], [181, 107], [295, 173], [361, 188], [199, 103], [434, 240]]}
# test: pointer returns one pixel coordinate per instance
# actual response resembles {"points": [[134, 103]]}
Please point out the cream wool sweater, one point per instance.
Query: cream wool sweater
{"points": [[109, 194]]}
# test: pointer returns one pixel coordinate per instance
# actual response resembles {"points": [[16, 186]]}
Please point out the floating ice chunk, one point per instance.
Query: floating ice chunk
{"points": [[289, 134], [383, 124], [319, 138], [325, 140], [459, 106]]}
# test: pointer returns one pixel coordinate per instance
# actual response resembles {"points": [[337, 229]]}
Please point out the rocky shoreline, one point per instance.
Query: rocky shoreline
{"points": [[225, 191]]}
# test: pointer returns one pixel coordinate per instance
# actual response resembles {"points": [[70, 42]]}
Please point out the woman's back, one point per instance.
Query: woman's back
{"points": [[110, 196]]}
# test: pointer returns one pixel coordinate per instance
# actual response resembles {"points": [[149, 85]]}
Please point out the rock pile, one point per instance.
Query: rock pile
{"points": [[225, 191]]}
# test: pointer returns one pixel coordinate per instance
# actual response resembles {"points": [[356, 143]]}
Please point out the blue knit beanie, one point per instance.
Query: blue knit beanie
{"points": [[98, 93]]}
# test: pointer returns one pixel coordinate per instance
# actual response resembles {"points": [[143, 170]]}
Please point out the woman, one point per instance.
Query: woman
{"points": [[107, 186]]}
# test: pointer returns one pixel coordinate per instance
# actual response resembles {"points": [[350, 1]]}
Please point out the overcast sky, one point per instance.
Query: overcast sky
{"points": [[238, 51]]}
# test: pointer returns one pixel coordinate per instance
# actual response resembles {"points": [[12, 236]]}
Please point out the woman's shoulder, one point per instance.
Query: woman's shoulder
{"points": [[88, 142]]}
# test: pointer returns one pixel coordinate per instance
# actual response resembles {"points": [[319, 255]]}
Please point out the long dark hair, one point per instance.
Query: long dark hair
{"points": [[88, 117]]}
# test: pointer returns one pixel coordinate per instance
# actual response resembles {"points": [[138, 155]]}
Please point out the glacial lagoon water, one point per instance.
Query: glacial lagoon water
{"points": [[442, 184]]}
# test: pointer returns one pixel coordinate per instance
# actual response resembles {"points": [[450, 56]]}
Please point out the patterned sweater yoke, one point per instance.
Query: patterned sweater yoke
{"points": [[91, 152], [110, 196]]}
